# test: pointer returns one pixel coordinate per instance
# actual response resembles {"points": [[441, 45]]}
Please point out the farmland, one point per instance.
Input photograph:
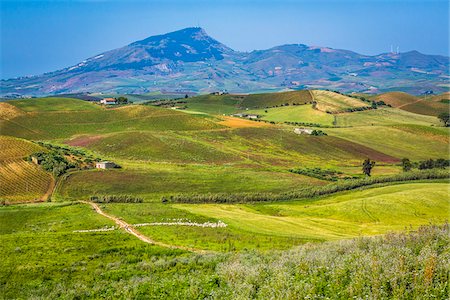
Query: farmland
{"points": [[202, 151], [21, 181], [425, 105]]}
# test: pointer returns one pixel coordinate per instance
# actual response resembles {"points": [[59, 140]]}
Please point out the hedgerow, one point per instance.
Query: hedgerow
{"points": [[309, 192], [115, 199]]}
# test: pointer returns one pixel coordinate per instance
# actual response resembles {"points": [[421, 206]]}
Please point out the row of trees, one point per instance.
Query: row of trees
{"points": [[439, 163]]}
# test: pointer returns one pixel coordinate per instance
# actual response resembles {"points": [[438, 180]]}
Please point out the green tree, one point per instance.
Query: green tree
{"points": [[445, 118], [406, 164], [367, 166], [122, 100]]}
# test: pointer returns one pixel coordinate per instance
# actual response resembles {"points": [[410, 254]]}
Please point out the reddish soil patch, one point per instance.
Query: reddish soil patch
{"points": [[363, 151], [84, 141]]}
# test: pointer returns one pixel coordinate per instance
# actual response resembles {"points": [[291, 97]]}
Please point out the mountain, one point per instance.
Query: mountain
{"points": [[189, 60]]}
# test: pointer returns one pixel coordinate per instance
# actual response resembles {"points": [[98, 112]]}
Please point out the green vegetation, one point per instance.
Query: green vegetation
{"points": [[45, 258], [413, 141], [383, 116], [298, 113], [333, 102], [276, 99], [270, 189], [115, 199], [339, 216], [324, 174], [64, 124], [55, 104], [309, 192], [152, 181]]}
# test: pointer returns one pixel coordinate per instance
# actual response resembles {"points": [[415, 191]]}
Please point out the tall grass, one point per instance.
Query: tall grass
{"points": [[394, 266], [309, 192]]}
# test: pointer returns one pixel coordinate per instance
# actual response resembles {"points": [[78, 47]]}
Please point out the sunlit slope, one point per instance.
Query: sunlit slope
{"points": [[333, 102], [425, 105], [412, 141], [368, 212], [21, 181], [52, 124]]}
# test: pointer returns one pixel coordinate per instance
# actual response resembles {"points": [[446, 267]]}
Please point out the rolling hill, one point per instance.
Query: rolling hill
{"points": [[425, 105], [189, 60]]}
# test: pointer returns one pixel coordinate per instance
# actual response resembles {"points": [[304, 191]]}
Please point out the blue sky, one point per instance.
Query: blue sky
{"points": [[42, 36]]}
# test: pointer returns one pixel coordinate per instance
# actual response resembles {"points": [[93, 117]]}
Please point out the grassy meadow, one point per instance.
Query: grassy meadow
{"points": [[301, 247]]}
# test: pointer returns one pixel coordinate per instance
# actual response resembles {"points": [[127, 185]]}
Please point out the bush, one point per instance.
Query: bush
{"points": [[115, 199], [331, 175]]}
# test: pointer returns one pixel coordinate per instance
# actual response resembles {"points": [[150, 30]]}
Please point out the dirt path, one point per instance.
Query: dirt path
{"points": [[406, 104], [131, 230]]}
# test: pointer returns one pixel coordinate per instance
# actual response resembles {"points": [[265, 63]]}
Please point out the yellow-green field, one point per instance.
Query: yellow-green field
{"points": [[367, 212]]}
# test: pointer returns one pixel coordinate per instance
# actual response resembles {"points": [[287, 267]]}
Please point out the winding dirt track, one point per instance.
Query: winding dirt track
{"points": [[131, 230]]}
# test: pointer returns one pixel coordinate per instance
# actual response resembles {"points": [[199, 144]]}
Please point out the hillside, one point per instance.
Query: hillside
{"points": [[21, 181], [66, 119], [189, 60], [425, 105]]}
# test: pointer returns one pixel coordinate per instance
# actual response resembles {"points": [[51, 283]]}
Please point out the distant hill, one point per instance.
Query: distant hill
{"points": [[189, 60]]}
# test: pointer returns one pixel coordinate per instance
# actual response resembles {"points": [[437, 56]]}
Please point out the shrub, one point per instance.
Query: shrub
{"points": [[115, 199]]}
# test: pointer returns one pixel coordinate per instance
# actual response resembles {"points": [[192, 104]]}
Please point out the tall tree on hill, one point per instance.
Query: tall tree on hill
{"points": [[445, 118], [406, 164], [367, 166]]}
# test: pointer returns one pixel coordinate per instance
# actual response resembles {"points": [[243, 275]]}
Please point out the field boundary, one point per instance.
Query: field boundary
{"points": [[308, 193]]}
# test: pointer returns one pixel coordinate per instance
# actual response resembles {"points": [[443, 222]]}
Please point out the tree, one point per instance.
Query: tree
{"points": [[367, 166], [374, 105], [406, 164], [445, 118], [122, 100], [186, 96]]}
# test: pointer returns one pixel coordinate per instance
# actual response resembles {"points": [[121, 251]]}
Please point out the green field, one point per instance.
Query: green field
{"points": [[312, 247], [156, 180], [64, 124], [383, 116], [297, 113], [414, 142], [333, 102], [44, 258]]}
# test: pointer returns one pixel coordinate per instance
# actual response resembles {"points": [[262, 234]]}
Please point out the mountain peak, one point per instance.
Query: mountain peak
{"points": [[182, 35]]}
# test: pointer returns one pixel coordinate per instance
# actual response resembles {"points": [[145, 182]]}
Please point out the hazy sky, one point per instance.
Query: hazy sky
{"points": [[42, 36]]}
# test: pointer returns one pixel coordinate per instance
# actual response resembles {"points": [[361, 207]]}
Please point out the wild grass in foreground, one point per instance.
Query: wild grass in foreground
{"points": [[113, 265]]}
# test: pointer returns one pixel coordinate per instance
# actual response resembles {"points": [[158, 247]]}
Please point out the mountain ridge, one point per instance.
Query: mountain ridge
{"points": [[192, 61]]}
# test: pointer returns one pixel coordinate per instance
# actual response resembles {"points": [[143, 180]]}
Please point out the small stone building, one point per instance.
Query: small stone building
{"points": [[105, 165], [303, 131]]}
